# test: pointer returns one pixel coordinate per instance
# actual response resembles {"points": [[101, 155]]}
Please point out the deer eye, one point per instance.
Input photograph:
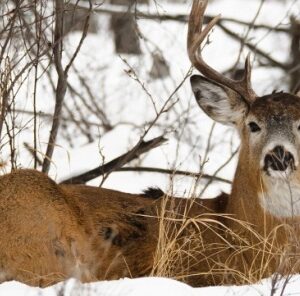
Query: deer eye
{"points": [[254, 128]]}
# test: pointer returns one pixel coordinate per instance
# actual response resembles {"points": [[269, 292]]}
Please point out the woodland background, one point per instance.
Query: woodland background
{"points": [[98, 92]]}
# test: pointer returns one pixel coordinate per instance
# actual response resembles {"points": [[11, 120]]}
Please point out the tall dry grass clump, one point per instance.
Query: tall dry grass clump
{"points": [[202, 247]]}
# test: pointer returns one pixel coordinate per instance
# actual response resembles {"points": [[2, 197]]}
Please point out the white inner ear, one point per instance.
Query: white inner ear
{"points": [[220, 104], [298, 93]]}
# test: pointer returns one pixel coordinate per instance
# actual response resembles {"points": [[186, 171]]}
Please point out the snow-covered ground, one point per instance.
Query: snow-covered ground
{"points": [[153, 286], [188, 128]]}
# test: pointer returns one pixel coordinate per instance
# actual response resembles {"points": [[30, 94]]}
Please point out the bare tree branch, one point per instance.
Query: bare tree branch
{"points": [[61, 83], [179, 17], [135, 152]]}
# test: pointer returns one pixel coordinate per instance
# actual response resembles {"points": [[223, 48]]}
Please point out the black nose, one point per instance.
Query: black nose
{"points": [[279, 159]]}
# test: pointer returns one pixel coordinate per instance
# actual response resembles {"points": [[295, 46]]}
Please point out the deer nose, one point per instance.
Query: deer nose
{"points": [[279, 159]]}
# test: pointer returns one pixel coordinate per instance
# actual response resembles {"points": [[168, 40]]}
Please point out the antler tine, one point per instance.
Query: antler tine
{"points": [[195, 38], [246, 80]]}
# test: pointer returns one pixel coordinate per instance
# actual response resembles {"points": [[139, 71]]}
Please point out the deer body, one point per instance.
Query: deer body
{"points": [[52, 232]]}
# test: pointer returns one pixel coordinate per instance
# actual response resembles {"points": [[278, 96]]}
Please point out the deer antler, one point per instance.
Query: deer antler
{"points": [[195, 38]]}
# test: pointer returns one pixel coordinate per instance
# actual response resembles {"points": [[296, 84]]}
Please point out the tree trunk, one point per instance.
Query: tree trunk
{"points": [[295, 51], [125, 29], [74, 19]]}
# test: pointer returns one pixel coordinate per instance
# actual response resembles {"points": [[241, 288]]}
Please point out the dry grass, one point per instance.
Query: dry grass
{"points": [[205, 249]]}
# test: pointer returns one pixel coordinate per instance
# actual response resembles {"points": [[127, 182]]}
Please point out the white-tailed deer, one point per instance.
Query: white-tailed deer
{"points": [[266, 186], [51, 232]]}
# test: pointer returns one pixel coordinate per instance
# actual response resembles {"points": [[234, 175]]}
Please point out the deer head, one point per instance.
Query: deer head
{"points": [[269, 126]]}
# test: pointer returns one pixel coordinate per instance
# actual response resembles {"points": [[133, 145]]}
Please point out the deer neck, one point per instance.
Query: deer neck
{"points": [[244, 200], [258, 221]]}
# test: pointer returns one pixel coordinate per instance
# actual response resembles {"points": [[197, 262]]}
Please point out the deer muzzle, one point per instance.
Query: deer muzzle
{"points": [[279, 159]]}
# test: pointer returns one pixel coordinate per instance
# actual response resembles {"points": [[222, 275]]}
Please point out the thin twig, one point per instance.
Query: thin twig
{"points": [[173, 172]]}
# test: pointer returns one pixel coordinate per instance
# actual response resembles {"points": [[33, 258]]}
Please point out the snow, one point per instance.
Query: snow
{"points": [[150, 286], [125, 101], [124, 287]]}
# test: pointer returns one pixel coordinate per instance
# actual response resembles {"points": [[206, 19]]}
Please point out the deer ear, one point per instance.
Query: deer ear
{"points": [[298, 94], [219, 102]]}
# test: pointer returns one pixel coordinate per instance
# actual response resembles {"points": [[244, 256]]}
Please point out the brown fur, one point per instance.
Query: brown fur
{"points": [[53, 232]]}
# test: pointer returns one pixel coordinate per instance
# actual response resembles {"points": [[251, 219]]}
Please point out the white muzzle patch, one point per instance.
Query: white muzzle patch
{"points": [[281, 198]]}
